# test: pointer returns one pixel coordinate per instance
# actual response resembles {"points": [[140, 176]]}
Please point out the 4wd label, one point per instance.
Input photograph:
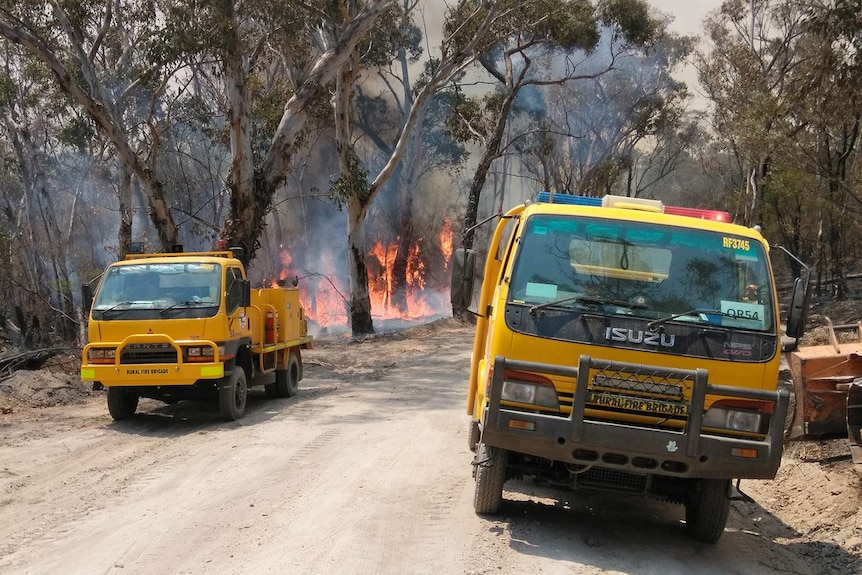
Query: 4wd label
{"points": [[146, 371]]}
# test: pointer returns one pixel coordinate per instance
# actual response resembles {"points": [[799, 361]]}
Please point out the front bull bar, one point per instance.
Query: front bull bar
{"points": [[689, 452]]}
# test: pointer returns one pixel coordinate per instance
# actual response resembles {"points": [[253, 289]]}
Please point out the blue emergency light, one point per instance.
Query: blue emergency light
{"points": [[568, 199]]}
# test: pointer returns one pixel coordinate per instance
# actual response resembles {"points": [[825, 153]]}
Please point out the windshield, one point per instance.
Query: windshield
{"points": [[642, 270], [139, 290]]}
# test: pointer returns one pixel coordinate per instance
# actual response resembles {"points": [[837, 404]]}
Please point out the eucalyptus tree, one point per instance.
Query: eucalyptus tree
{"points": [[619, 132], [253, 182], [94, 53], [151, 47], [786, 104], [540, 31], [472, 29], [359, 190], [50, 157], [748, 73], [835, 28], [382, 107]]}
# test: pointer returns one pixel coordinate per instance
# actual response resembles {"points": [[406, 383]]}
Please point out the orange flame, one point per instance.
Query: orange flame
{"points": [[447, 236], [326, 301]]}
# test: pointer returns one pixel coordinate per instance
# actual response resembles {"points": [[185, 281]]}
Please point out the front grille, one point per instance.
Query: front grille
{"points": [[612, 479], [142, 353], [633, 385], [641, 392], [645, 384], [635, 392]]}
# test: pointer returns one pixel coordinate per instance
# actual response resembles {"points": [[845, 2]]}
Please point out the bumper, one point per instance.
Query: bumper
{"points": [[636, 449], [151, 373]]}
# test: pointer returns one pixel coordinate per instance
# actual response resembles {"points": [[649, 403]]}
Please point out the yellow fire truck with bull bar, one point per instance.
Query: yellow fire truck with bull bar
{"points": [[626, 345], [175, 326]]}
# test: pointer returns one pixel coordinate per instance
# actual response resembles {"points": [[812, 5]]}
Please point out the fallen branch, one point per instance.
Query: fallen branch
{"points": [[31, 359]]}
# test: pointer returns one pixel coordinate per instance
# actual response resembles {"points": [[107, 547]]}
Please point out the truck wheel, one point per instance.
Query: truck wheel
{"points": [[707, 509], [232, 396], [287, 380], [490, 465], [122, 403], [473, 434]]}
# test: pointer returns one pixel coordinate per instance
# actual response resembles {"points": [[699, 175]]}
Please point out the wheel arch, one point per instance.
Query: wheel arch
{"points": [[244, 360]]}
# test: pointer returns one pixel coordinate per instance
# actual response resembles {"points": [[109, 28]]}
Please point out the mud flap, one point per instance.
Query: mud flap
{"points": [[854, 419]]}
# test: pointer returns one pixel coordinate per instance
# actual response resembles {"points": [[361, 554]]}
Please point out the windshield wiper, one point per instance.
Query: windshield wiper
{"points": [[182, 304], [117, 305], [663, 320], [587, 299]]}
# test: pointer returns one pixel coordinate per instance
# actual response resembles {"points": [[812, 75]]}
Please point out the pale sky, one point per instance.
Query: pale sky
{"points": [[687, 15]]}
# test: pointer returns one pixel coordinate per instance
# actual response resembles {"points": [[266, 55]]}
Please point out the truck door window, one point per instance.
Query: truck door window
{"points": [[234, 295]]}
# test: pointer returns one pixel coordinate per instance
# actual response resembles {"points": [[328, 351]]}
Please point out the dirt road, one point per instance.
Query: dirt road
{"points": [[366, 471]]}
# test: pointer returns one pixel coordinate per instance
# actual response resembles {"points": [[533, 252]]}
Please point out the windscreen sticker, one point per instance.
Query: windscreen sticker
{"points": [[541, 290], [740, 314], [742, 248], [736, 244]]}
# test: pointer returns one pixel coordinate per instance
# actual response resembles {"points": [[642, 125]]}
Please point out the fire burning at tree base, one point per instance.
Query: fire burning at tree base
{"points": [[423, 296]]}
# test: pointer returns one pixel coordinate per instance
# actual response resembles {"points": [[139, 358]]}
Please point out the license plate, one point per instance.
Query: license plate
{"points": [[638, 404]]}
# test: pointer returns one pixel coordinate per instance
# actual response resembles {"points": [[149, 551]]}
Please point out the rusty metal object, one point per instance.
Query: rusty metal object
{"points": [[827, 383]]}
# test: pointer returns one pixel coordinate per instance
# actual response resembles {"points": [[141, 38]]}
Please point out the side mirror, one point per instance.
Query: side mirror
{"points": [[463, 275], [244, 287], [86, 298], [797, 312]]}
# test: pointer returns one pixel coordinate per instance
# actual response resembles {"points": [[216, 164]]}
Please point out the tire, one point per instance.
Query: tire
{"points": [[707, 510], [287, 380], [232, 395], [490, 465], [122, 403], [473, 435]]}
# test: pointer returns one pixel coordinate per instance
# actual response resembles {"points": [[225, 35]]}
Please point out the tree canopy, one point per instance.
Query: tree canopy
{"points": [[258, 122]]}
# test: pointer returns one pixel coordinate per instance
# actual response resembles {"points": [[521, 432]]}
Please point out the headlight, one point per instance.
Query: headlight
{"points": [[522, 392], [734, 419], [96, 354], [203, 352]]}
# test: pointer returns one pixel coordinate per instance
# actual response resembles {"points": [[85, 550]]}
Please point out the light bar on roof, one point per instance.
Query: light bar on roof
{"points": [[568, 199], [633, 204], [714, 215], [623, 202]]}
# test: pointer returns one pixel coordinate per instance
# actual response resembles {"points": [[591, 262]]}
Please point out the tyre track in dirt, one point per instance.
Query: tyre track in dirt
{"points": [[72, 476]]}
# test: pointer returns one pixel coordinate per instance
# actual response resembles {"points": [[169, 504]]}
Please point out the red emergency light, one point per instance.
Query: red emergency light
{"points": [[714, 215]]}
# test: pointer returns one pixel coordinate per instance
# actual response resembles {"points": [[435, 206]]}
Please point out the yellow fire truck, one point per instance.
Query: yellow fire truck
{"points": [[626, 345], [177, 326]]}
